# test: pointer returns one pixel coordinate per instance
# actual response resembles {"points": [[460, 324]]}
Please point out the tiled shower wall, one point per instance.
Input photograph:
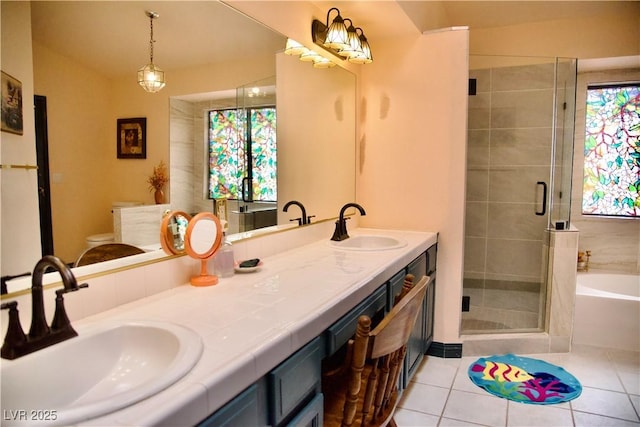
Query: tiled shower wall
{"points": [[188, 157], [509, 151], [510, 136]]}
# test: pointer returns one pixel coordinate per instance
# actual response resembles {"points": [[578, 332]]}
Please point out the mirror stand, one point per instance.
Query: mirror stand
{"points": [[203, 239]]}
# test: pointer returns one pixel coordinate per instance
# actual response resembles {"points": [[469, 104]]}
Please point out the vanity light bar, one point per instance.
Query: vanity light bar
{"points": [[341, 40], [294, 48]]}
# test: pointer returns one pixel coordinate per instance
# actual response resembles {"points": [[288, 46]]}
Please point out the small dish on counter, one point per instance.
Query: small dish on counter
{"points": [[248, 266]]}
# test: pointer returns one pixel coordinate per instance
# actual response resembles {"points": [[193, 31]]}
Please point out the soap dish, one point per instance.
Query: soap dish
{"points": [[239, 269]]}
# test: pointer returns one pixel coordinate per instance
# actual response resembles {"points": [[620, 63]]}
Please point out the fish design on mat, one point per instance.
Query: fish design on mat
{"points": [[502, 372], [524, 379]]}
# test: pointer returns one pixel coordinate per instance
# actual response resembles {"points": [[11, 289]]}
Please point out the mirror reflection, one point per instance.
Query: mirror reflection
{"points": [[173, 231], [87, 79]]}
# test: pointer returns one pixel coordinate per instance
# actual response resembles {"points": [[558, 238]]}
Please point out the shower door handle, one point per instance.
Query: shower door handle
{"points": [[544, 198]]}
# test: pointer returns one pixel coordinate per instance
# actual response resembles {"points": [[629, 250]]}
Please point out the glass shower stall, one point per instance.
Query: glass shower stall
{"points": [[519, 167]]}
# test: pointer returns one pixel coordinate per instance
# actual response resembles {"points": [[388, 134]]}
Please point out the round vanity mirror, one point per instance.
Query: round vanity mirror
{"points": [[173, 231], [202, 240]]}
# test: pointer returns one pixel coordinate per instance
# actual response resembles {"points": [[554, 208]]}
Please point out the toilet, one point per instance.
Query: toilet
{"points": [[99, 239], [103, 238]]}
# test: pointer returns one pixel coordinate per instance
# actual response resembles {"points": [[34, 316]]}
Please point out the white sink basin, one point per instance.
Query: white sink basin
{"points": [[365, 242], [103, 369]]}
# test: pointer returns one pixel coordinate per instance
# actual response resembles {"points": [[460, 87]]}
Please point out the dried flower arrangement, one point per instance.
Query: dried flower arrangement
{"points": [[158, 179]]}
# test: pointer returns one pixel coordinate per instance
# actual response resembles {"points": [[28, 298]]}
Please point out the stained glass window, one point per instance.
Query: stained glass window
{"points": [[231, 133], [611, 183]]}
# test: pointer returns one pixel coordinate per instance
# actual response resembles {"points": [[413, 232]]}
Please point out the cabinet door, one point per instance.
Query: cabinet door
{"points": [[311, 415], [432, 257], [242, 410], [294, 382], [394, 288], [430, 299], [415, 346]]}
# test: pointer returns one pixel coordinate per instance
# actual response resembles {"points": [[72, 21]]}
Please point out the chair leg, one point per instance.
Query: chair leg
{"points": [[392, 423], [357, 365]]}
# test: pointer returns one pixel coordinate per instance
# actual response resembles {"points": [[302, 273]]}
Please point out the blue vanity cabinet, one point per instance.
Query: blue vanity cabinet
{"points": [[394, 288], [415, 346], [311, 415], [294, 387], [430, 297], [246, 409], [374, 306], [290, 395]]}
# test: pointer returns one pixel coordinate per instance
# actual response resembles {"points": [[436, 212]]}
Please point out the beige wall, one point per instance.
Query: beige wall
{"points": [[316, 134], [80, 141], [20, 236], [596, 37], [83, 108], [412, 152]]}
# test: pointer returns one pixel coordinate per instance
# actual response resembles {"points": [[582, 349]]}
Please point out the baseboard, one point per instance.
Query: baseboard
{"points": [[444, 350]]}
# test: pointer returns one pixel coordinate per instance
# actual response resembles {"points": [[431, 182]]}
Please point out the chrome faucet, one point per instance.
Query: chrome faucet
{"points": [[304, 219], [16, 343], [340, 232]]}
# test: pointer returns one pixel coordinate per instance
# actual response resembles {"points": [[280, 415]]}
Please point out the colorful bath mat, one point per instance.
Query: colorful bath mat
{"points": [[525, 380]]}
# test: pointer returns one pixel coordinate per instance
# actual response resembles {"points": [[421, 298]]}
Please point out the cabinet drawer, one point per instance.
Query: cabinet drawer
{"points": [[295, 381], [341, 331]]}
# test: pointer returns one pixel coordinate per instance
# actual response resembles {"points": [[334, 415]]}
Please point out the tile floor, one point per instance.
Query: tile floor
{"points": [[441, 394]]}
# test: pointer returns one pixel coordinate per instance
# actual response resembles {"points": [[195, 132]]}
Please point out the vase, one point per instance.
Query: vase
{"points": [[159, 196]]}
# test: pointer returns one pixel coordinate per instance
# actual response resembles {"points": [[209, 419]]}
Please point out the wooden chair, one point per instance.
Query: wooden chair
{"points": [[106, 252], [366, 392]]}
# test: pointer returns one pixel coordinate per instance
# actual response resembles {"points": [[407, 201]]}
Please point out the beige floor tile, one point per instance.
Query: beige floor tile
{"points": [[605, 402], [525, 415], [424, 398], [476, 408], [409, 418]]}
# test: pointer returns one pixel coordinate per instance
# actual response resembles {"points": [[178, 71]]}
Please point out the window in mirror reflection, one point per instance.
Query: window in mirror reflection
{"points": [[239, 138]]}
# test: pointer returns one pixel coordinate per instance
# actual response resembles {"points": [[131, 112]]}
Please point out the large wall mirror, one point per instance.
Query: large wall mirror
{"points": [[85, 58]]}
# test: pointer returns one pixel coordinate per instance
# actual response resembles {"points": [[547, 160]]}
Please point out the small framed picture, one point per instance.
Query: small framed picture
{"points": [[132, 138], [11, 104]]}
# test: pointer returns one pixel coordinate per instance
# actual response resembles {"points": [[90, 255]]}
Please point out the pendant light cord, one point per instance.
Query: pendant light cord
{"points": [[151, 40]]}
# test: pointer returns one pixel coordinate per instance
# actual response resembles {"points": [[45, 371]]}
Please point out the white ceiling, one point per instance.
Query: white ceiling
{"points": [[114, 35]]}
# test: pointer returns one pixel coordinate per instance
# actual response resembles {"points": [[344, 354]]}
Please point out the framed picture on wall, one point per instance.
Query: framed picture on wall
{"points": [[132, 138], [11, 104]]}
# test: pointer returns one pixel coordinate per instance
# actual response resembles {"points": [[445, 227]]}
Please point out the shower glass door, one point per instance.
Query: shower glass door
{"points": [[510, 181]]}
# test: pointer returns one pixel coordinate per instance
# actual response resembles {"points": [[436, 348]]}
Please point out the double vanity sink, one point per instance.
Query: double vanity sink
{"points": [[112, 366], [106, 368]]}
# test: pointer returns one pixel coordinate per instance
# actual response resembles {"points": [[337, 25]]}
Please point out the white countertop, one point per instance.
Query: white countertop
{"points": [[251, 322]]}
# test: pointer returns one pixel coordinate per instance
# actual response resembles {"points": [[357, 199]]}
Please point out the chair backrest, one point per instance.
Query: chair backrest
{"points": [[385, 347], [107, 252]]}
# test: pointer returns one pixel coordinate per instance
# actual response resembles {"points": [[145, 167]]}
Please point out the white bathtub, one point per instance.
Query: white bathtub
{"points": [[607, 311]]}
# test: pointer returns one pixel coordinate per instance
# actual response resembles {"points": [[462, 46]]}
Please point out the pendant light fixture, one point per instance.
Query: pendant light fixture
{"points": [[151, 77]]}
